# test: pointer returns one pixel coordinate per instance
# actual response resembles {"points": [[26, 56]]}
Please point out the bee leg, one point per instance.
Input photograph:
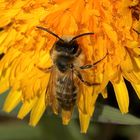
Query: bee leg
{"points": [[86, 66], [136, 31], [92, 65], [84, 81], [46, 70]]}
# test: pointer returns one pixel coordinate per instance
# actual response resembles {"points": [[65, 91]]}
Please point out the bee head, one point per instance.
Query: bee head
{"points": [[69, 47]]}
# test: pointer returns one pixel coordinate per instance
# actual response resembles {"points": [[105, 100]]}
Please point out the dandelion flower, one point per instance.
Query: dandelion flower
{"points": [[116, 25]]}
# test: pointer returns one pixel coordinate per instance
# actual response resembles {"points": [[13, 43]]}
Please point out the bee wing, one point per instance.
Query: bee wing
{"points": [[51, 89], [61, 88]]}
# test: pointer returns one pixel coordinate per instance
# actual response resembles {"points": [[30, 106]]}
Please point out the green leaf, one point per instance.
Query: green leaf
{"points": [[16, 130], [108, 114]]}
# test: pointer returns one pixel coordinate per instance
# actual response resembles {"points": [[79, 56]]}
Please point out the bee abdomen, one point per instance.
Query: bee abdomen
{"points": [[66, 93], [67, 100], [66, 104]]}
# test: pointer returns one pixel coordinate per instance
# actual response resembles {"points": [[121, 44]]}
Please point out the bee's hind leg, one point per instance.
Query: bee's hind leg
{"points": [[79, 75], [46, 70]]}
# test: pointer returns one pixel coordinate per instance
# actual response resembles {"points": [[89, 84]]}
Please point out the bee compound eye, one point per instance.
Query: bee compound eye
{"points": [[58, 46], [70, 49], [73, 48]]}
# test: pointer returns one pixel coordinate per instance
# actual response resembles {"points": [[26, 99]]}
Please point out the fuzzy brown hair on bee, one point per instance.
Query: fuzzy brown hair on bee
{"points": [[66, 57]]}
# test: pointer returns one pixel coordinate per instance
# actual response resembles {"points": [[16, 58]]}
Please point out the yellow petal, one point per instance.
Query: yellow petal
{"points": [[44, 59], [137, 50], [62, 6], [7, 15], [38, 81], [3, 36], [38, 109], [126, 64], [84, 121], [90, 102], [136, 88], [121, 95], [86, 106], [9, 39], [88, 98], [26, 108], [110, 32], [132, 77], [132, 43], [137, 61], [134, 2], [104, 93], [9, 58], [12, 100], [4, 83], [136, 26], [85, 99], [76, 10]]}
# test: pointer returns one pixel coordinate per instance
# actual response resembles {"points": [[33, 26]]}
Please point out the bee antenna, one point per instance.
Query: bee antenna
{"points": [[84, 34], [45, 29]]}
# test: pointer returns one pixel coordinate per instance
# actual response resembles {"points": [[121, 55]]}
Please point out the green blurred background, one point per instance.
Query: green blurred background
{"points": [[107, 123]]}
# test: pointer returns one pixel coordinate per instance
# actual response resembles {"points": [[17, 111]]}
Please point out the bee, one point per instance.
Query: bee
{"points": [[66, 57]]}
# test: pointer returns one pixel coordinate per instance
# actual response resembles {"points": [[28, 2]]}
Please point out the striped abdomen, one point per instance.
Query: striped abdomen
{"points": [[66, 93]]}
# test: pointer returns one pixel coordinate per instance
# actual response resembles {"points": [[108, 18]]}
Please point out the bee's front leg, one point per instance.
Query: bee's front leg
{"points": [[136, 31], [92, 65], [46, 70], [79, 75], [86, 67]]}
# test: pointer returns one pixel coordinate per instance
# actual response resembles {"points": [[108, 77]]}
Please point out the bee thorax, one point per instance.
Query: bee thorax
{"points": [[63, 63]]}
